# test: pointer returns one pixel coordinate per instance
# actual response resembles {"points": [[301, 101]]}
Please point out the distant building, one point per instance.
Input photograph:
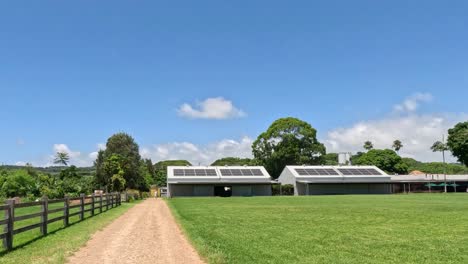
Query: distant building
{"points": [[310, 180], [218, 181]]}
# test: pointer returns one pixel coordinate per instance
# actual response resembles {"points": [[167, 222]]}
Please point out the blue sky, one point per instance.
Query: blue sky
{"points": [[74, 73]]}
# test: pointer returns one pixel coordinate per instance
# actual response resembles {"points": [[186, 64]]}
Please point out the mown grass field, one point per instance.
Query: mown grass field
{"points": [[424, 228], [31, 247]]}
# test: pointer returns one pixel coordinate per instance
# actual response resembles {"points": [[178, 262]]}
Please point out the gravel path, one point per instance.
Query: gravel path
{"points": [[147, 233]]}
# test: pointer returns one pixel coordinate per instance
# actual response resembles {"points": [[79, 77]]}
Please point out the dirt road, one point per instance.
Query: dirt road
{"points": [[147, 233]]}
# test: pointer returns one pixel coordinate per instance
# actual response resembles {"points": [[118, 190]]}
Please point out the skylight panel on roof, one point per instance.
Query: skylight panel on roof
{"points": [[359, 171], [241, 172], [194, 172], [315, 171]]}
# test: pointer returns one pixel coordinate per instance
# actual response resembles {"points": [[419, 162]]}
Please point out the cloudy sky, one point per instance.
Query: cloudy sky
{"points": [[200, 80]]}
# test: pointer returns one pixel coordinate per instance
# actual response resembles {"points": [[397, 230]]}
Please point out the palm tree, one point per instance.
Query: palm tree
{"points": [[397, 145], [368, 145], [62, 158], [440, 146]]}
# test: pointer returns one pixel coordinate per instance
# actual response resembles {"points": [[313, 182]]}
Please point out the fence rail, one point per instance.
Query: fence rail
{"points": [[97, 203]]}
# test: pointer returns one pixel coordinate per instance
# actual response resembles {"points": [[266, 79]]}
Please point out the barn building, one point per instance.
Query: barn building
{"points": [[218, 181], [310, 180]]}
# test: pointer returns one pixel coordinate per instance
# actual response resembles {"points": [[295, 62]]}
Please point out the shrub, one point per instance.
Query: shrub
{"points": [[285, 189]]}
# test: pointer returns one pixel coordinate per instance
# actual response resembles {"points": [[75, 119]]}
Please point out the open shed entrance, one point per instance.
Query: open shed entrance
{"points": [[223, 191]]}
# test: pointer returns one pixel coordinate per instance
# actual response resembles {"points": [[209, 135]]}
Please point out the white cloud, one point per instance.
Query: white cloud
{"points": [[20, 163], [93, 155], [77, 158], [416, 131], [200, 154], [20, 142], [211, 108], [412, 103]]}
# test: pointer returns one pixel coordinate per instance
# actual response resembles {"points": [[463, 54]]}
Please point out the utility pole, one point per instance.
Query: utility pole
{"points": [[443, 158]]}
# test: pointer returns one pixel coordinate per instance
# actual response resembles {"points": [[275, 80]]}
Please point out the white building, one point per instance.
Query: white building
{"points": [[218, 181], [308, 180]]}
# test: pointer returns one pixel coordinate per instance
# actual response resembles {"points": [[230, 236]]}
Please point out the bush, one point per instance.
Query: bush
{"points": [[133, 194], [286, 189]]}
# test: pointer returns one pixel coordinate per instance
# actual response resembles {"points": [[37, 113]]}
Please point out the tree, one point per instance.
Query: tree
{"points": [[434, 167], [439, 146], [368, 145], [101, 175], [233, 161], [397, 145], [73, 184], [17, 183], [330, 159], [385, 159], [457, 142], [122, 149], [288, 141], [62, 158]]}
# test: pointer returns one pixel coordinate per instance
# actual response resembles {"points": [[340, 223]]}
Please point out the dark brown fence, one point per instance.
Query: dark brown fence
{"points": [[97, 204]]}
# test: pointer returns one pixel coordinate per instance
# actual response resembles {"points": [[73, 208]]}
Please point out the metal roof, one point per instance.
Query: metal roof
{"points": [[217, 174], [337, 174]]}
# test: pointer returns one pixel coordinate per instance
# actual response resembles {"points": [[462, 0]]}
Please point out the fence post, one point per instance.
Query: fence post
{"points": [[107, 201], [119, 199], [112, 200], [100, 203], [92, 204], [8, 228], [44, 210], [82, 200], [66, 211]]}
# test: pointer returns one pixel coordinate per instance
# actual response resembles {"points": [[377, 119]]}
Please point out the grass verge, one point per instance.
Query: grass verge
{"points": [[425, 228], [31, 247]]}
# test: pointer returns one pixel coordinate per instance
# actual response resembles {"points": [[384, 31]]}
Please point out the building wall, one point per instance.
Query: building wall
{"points": [[261, 190], [183, 190], [287, 177], [347, 188], [300, 189], [242, 190], [180, 190], [203, 190]]}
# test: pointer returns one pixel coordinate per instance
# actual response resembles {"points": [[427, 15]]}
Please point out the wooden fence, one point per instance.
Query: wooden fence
{"points": [[97, 204]]}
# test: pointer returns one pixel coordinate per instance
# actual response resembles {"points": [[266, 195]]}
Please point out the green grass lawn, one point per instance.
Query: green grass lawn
{"points": [[31, 247], [425, 228]]}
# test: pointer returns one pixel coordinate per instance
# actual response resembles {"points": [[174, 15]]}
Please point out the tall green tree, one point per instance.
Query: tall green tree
{"points": [[368, 145], [457, 142], [288, 141], [397, 145], [124, 147], [62, 158], [385, 159]]}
